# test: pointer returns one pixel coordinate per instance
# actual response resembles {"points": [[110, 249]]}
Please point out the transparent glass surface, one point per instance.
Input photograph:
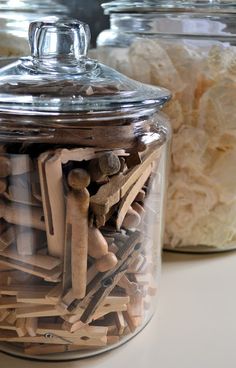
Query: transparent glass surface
{"points": [[194, 56], [206, 6], [15, 17], [82, 198]]}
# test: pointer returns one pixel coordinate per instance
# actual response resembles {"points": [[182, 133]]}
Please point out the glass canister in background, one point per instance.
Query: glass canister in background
{"points": [[83, 156], [15, 17], [188, 47]]}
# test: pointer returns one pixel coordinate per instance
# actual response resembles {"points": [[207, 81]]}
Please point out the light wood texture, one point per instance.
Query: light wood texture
{"points": [[20, 327], [48, 275], [11, 336], [31, 325], [129, 198], [120, 322], [140, 196], [106, 263], [4, 313], [55, 294], [51, 183], [98, 249], [7, 237], [110, 194], [133, 322], [22, 215], [97, 244], [131, 220], [40, 311], [38, 260], [131, 288], [77, 227]]}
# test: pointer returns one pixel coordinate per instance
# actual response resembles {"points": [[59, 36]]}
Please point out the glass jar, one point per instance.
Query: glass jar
{"points": [[15, 17], [188, 47], [83, 163]]}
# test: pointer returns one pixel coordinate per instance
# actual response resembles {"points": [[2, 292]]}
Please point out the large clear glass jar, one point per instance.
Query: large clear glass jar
{"points": [[190, 48], [15, 17], [83, 157]]}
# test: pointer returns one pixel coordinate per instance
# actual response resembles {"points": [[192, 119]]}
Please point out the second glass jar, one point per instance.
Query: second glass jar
{"points": [[188, 47]]}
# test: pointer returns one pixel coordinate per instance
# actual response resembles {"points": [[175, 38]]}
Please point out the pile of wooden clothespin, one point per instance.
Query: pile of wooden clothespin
{"points": [[76, 268]]}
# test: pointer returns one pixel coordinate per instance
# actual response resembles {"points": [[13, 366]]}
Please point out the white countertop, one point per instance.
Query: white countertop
{"points": [[195, 326]]}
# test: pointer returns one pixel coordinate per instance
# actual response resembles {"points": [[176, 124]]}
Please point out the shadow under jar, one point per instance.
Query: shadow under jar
{"points": [[83, 163], [188, 47]]}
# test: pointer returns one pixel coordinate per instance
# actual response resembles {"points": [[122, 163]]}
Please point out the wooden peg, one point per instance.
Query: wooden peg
{"points": [[34, 297], [4, 313], [10, 302], [22, 215], [103, 284], [140, 196], [51, 183], [77, 228], [31, 325], [125, 256], [132, 219], [3, 185], [52, 190], [97, 244], [14, 289], [48, 275], [20, 327], [98, 249], [45, 349], [131, 288], [106, 165], [11, 318], [7, 237], [120, 322], [40, 311], [133, 160], [4, 325], [55, 294], [138, 208], [133, 322], [137, 264], [106, 263], [38, 260], [111, 193], [5, 166], [129, 198]]}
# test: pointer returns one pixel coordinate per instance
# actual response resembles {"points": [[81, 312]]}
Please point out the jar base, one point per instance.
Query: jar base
{"points": [[70, 356], [200, 249]]}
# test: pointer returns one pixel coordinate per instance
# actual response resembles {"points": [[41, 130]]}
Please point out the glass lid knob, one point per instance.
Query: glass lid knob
{"points": [[60, 44]]}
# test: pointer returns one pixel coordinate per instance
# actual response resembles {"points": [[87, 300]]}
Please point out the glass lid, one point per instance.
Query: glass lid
{"points": [[26, 6], [59, 77], [212, 6]]}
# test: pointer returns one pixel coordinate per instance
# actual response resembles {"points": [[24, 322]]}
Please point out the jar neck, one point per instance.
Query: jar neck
{"points": [[175, 23]]}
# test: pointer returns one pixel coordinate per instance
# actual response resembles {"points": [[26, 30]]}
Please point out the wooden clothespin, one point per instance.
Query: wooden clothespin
{"points": [[77, 229], [103, 283]]}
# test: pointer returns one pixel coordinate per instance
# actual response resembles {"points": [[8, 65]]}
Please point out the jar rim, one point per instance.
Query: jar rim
{"points": [[188, 6]]}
